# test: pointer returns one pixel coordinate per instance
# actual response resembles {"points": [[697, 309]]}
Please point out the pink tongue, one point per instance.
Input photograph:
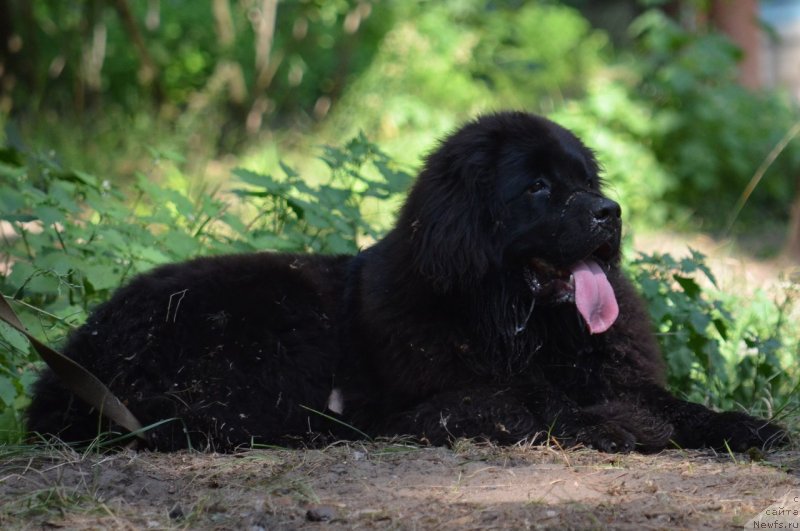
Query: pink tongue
{"points": [[594, 297]]}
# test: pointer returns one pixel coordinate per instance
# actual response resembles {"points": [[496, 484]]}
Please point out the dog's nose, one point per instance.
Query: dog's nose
{"points": [[605, 209]]}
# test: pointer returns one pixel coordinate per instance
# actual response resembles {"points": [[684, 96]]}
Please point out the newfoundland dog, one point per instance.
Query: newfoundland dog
{"points": [[495, 309]]}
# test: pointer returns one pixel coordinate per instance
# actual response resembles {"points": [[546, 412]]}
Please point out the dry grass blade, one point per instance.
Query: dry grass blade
{"points": [[759, 174]]}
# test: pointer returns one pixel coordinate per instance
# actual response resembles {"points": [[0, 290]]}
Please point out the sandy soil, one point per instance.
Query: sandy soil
{"points": [[391, 486]]}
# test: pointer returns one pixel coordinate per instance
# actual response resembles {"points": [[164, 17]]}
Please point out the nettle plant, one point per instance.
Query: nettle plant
{"points": [[716, 356], [76, 238]]}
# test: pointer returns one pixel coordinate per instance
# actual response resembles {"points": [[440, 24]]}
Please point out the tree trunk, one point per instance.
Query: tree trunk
{"points": [[148, 71], [739, 20], [791, 249], [266, 65]]}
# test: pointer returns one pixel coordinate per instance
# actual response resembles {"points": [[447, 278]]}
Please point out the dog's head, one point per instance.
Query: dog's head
{"points": [[513, 192]]}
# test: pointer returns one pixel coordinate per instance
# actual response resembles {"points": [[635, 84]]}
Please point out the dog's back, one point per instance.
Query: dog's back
{"points": [[248, 337]]}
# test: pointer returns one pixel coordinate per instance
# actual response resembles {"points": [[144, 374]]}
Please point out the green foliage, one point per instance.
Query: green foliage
{"points": [[710, 133], [77, 238], [690, 328], [719, 351], [327, 218], [443, 62], [203, 78], [525, 46], [316, 46], [669, 120]]}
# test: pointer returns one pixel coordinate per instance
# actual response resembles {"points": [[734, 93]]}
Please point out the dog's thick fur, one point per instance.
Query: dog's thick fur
{"points": [[459, 323]]}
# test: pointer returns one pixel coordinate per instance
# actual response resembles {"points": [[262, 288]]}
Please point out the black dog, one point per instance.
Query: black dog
{"points": [[494, 309]]}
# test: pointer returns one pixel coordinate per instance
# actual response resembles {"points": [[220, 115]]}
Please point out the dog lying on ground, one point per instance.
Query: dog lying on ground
{"points": [[494, 309]]}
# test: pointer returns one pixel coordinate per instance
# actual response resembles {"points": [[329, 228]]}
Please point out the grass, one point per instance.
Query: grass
{"points": [[337, 421], [37, 473], [53, 501]]}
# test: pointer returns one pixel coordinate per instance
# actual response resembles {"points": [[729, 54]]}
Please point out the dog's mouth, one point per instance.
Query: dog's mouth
{"points": [[584, 284]]}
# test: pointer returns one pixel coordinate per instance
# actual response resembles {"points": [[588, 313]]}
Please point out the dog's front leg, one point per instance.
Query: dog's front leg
{"points": [[696, 426]]}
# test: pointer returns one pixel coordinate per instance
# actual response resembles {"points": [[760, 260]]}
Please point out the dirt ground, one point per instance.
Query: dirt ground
{"points": [[391, 486]]}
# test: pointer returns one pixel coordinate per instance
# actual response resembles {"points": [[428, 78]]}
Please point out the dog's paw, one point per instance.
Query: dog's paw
{"points": [[607, 437], [623, 427], [739, 433]]}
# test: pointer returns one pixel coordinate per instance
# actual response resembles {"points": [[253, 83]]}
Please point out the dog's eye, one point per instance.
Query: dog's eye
{"points": [[540, 185]]}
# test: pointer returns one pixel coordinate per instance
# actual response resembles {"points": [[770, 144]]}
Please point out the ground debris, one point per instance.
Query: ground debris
{"points": [[322, 513], [372, 486]]}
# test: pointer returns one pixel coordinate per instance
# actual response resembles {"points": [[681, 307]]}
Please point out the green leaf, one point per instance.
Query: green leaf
{"points": [[150, 255], [12, 337], [80, 177], [101, 276], [334, 196], [22, 218], [8, 391], [721, 327], [183, 204], [336, 244], [48, 214], [10, 156], [58, 262], [241, 192], [235, 223], [296, 207], [397, 181], [700, 321], [112, 238], [21, 273], [690, 287], [181, 244], [10, 429], [699, 259], [167, 154], [257, 179], [271, 242], [11, 172], [288, 170], [27, 278]]}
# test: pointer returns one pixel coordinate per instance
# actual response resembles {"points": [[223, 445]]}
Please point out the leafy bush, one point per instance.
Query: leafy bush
{"points": [[708, 131], [720, 351], [76, 49], [443, 62], [77, 238], [521, 46]]}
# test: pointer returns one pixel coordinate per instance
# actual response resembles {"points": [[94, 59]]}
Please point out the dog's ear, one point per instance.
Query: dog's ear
{"points": [[449, 218]]}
